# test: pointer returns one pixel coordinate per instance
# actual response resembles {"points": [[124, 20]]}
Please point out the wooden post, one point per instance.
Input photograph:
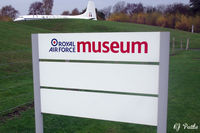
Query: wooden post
{"points": [[192, 28], [173, 45], [187, 45]]}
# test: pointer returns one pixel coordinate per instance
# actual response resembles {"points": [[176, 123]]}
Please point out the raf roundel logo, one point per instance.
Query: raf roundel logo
{"points": [[54, 42]]}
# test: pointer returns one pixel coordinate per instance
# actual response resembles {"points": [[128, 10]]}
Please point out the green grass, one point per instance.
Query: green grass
{"points": [[16, 78], [105, 26]]}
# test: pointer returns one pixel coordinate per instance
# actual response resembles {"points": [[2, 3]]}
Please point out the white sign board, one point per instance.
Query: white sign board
{"points": [[101, 46], [122, 108], [101, 77], [109, 76]]}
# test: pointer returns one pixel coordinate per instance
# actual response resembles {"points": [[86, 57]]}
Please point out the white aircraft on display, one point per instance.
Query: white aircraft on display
{"points": [[90, 13]]}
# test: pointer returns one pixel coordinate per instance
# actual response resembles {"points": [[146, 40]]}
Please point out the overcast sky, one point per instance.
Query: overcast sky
{"points": [[60, 5]]}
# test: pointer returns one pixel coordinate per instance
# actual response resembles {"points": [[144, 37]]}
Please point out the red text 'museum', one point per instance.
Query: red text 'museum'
{"points": [[114, 47]]}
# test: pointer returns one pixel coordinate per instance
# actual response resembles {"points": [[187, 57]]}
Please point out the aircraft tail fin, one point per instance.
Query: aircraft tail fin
{"points": [[91, 11]]}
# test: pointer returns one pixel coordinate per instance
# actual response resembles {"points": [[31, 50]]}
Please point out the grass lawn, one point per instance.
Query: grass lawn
{"points": [[16, 86]]}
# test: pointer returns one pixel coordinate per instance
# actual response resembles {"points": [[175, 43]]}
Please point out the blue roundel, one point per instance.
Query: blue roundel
{"points": [[54, 42]]}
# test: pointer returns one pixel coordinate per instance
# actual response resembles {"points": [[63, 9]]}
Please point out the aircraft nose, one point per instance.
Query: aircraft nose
{"points": [[17, 19]]}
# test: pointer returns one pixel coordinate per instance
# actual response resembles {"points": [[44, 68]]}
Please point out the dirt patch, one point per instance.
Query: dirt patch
{"points": [[15, 112], [173, 54]]}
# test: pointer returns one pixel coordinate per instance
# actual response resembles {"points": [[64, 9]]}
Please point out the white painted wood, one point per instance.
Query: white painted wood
{"points": [[97, 76], [152, 38], [113, 107]]}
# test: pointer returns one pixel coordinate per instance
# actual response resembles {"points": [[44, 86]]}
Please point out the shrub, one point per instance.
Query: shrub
{"points": [[161, 21], [5, 18], [119, 17], [141, 19], [183, 23]]}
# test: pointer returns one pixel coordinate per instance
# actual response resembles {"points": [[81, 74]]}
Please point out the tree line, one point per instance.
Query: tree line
{"points": [[45, 7], [36, 8], [178, 16], [40, 8]]}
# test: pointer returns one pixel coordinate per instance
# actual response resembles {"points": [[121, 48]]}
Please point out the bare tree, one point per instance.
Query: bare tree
{"points": [[100, 15], [119, 7], [177, 8], [48, 6], [161, 8], [75, 12], [150, 9], [65, 13], [132, 8], [107, 11], [36, 8], [195, 6], [9, 11]]}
